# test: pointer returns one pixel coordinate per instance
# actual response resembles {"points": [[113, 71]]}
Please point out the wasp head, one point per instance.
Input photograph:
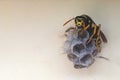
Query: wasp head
{"points": [[80, 22]]}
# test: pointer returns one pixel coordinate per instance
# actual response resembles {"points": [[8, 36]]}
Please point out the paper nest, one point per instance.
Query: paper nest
{"points": [[81, 54]]}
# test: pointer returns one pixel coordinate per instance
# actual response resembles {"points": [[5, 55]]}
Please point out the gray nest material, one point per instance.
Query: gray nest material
{"points": [[78, 52]]}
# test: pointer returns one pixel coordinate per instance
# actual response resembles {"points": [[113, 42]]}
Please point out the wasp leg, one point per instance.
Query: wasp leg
{"points": [[92, 34], [98, 40], [69, 29], [102, 57], [98, 44], [86, 27]]}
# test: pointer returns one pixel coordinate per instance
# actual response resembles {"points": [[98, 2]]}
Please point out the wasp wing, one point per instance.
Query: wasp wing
{"points": [[103, 37]]}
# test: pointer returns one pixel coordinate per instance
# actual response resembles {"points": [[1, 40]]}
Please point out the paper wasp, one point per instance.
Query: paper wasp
{"points": [[84, 22]]}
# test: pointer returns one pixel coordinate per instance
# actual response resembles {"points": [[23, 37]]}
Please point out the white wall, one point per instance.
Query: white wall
{"points": [[31, 39]]}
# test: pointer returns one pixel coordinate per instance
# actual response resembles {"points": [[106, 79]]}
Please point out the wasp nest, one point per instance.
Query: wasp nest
{"points": [[81, 54]]}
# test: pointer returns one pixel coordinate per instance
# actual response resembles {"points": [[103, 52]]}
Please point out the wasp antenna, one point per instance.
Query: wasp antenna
{"points": [[68, 21]]}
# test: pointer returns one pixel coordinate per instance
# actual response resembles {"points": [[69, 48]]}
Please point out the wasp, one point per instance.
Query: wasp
{"points": [[84, 22]]}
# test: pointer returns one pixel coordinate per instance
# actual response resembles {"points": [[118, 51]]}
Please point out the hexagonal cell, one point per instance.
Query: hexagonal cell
{"points": [[83, 34], [78, 66], [78, 48], [71, 57], [87, 60]]}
